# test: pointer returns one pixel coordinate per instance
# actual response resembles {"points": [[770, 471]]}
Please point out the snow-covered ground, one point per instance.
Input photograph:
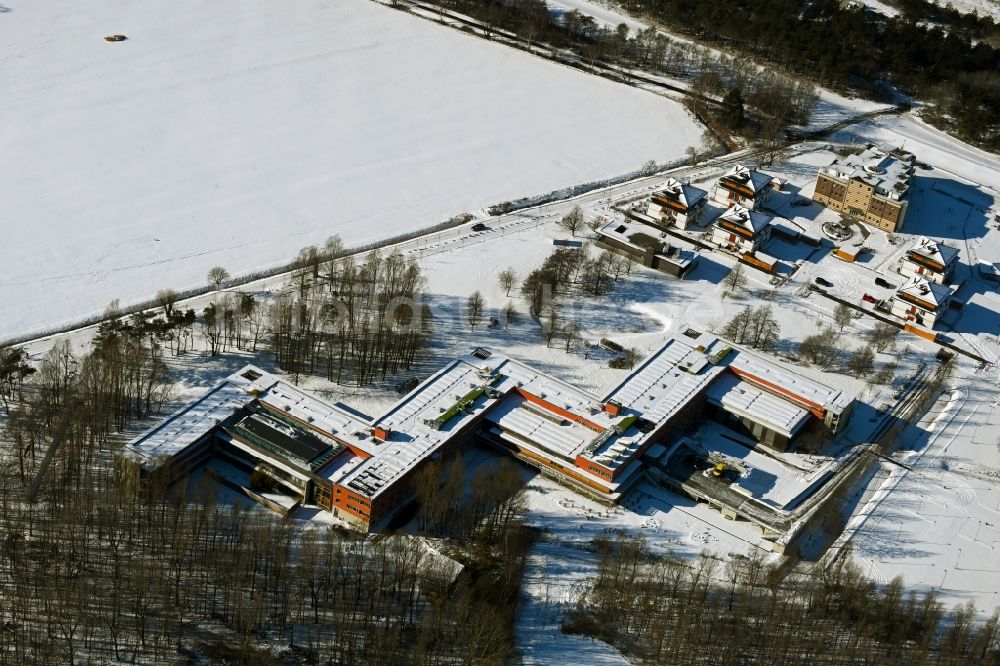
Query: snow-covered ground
{"points": [[232, 133], [832, 108], [937, 525], [882, 7], [930, 145], [606, 13], [981, 7]]}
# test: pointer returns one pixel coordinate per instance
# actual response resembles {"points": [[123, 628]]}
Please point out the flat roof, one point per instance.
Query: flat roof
{"points": [[744, 399], [640, 237], [793, 382], [887, 170], [559, 436], [661, 385], [188, 424], [295, 442]]}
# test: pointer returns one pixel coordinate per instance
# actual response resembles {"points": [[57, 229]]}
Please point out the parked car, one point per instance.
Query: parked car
{"points": [[869, 298], [823, 282], [479, 226], [882, 282]]}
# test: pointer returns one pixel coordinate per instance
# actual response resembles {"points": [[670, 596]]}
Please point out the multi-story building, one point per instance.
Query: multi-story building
{"points": [[743, 185], [741, 230], [677, 204], [870, 186], [921, 301], [930, 259], [362, 469]]}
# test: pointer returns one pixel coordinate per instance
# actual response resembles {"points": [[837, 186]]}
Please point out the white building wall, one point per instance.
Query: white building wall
{"points": [[723, 239], [910, 268], [912, 313]]}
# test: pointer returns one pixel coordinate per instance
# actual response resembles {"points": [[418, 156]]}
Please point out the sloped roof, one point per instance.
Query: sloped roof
{"points": [[751, 220], [922, 288], [748, 177], [682, 193], [935, 251]]}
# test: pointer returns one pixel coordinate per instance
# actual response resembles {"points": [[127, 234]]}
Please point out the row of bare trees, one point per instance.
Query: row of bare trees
{"points": [[350, 321], [74, 403], [663, 610]]}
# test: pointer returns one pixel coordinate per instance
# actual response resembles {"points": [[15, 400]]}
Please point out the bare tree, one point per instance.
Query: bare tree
{"points": [[474, 309], [507, 279], [551, 324], [166, 298], [212, 328], [755, 327], [217, 276], [883, 335], [573, 220], [571, 334], [861, 361], [820, 348], [842, 315], [735, 279], [509, 314]]}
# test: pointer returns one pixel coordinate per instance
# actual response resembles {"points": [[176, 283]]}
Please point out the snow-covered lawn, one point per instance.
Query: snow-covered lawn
{"points": [[233, 133]]}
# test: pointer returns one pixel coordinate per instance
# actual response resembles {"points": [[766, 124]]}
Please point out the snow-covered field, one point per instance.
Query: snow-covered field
{"points": [[232, 133]]}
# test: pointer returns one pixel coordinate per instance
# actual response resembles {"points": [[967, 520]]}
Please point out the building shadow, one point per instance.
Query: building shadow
{"points": [[946, 209]]}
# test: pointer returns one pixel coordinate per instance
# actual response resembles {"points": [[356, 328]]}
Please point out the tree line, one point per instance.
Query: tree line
{"points": [[662, 610], [104, 574], [350, 321]]}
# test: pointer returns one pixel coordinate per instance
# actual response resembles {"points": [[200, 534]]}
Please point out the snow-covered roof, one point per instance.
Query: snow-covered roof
{"points": [[191, 422], [935, 251], [743, 399], [887, 170], [639, 237], [920, 288], [680, 193], [772, 375], [414, 431], [328, 424], [661, 385], [751, 220], [744, 176], [559, 436]]}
